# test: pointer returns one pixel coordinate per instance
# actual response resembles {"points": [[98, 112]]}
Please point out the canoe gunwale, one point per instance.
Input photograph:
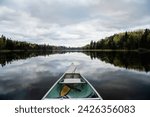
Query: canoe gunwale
{"points": [[53, 86], [92, 87]]}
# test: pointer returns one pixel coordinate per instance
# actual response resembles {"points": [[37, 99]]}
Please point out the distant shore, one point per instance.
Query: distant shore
{"points": [[117, 50], [26, 50], [80, 50]]}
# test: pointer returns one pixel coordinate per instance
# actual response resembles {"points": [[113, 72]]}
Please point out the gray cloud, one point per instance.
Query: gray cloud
{"points": [[70, 22]]}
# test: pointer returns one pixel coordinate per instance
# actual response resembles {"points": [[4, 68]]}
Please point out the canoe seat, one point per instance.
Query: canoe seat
{"points": [[71, 81]]}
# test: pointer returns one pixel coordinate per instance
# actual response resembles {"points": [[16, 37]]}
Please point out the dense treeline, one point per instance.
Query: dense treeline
{"points": [[8, 44], [128, 41]]}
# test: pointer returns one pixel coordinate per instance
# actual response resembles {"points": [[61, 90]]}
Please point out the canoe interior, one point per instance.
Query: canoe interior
{"points": [[81, 89]]}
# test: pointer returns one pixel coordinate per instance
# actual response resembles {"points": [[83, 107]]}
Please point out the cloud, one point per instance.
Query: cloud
{"points": [[70, 22]]}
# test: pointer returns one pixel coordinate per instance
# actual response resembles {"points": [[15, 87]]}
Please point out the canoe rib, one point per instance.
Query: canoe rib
{"points": [[68, 78]]}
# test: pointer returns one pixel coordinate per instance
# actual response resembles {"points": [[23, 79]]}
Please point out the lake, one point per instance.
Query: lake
{"points": [[115, 75]]}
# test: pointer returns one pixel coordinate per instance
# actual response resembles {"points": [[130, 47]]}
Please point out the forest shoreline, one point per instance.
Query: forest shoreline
{"points": [[81, 50]]}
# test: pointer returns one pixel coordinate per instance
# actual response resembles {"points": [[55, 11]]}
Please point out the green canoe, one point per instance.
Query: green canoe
{"points": [[72, 85]]}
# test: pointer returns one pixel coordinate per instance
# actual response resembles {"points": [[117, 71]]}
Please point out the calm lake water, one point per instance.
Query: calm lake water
{"points": [[115, 75]]}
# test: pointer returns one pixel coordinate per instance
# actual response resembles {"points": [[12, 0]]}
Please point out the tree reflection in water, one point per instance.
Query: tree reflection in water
{"points": [[8, 57], [127, 59]]}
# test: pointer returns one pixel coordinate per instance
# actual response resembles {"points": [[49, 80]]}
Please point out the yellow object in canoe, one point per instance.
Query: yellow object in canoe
{"points": [[65, 90]]}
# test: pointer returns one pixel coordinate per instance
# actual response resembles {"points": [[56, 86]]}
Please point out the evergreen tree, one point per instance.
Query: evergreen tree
{"points": [[128, 41]]}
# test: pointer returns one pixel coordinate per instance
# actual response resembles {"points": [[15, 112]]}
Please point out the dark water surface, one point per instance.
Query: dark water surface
{"points": [[115, 75]]}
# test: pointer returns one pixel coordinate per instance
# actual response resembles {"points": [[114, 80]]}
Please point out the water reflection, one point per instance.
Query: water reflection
{"points": [[31, 78], [129, 60], [8, 57]]}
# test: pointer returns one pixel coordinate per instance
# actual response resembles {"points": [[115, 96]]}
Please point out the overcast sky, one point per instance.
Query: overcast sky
{"points": [[71, 22]]}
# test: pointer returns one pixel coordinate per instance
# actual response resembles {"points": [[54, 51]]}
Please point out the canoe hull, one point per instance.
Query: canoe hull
{"points": [[80, 88]]}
